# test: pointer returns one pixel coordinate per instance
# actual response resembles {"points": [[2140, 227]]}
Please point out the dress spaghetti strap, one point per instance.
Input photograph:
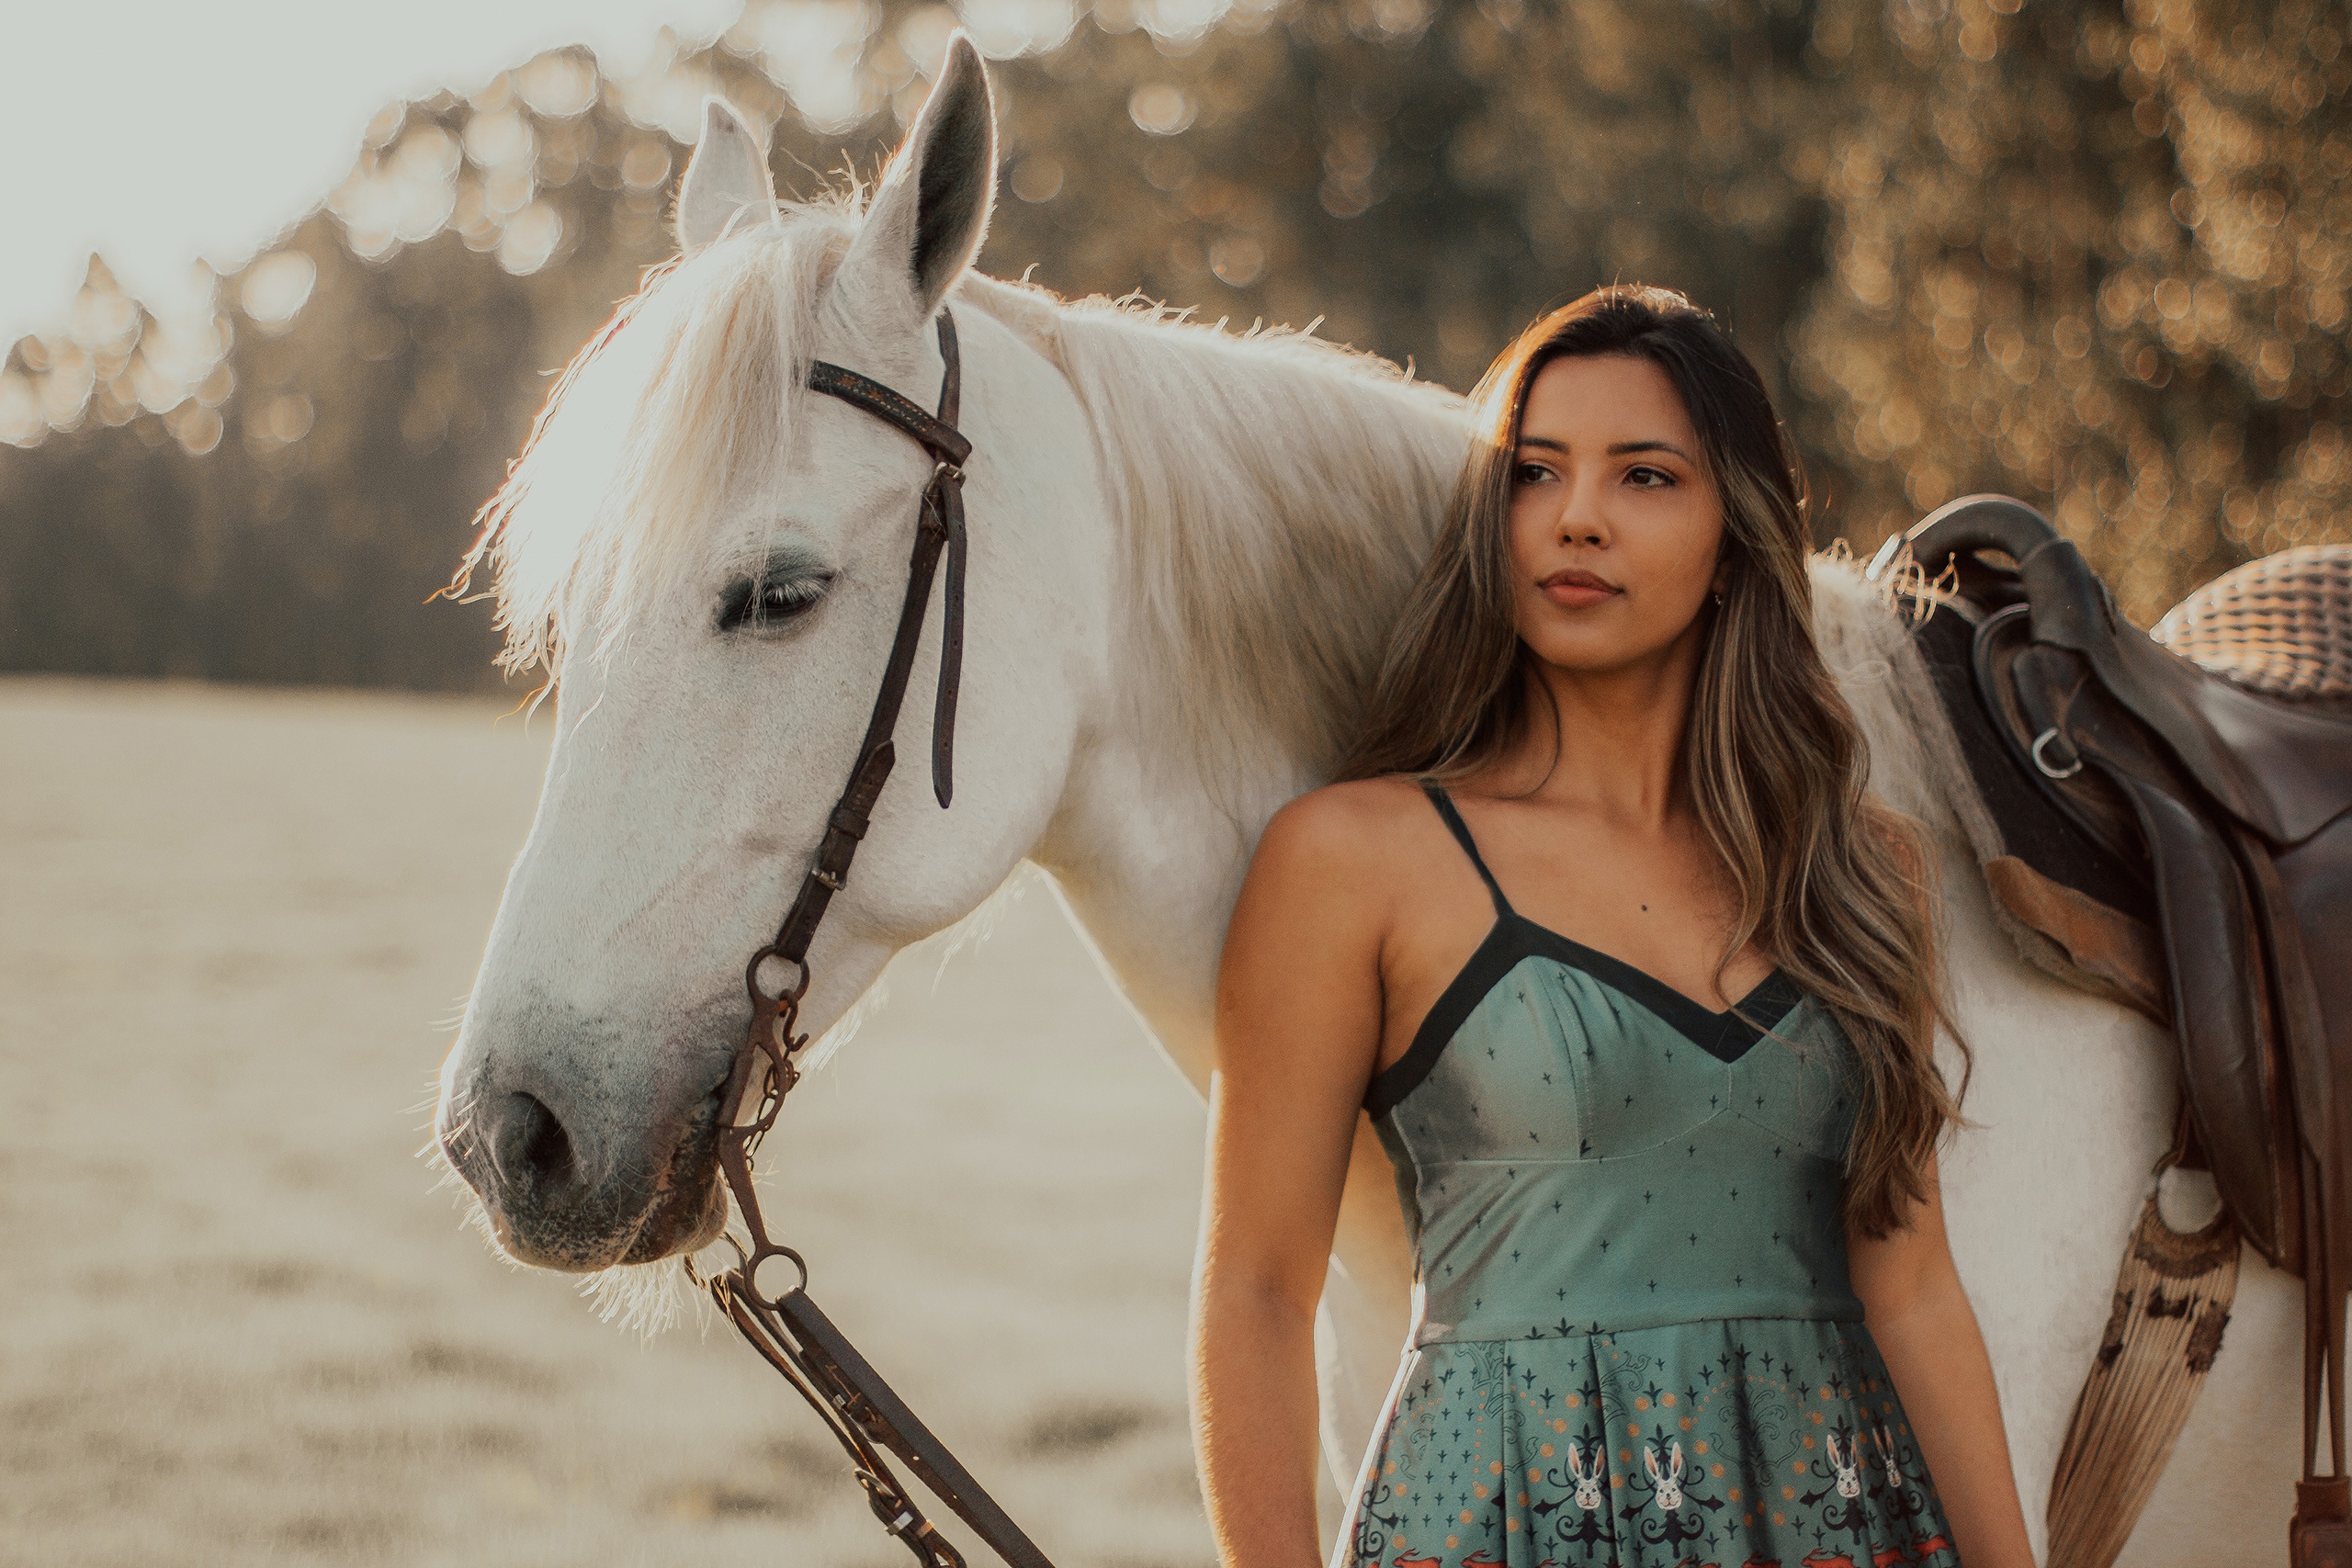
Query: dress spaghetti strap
{"points": [[1460, 832]]}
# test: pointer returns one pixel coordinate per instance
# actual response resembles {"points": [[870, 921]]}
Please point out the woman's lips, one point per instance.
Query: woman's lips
{"points": [[1578, 589]]}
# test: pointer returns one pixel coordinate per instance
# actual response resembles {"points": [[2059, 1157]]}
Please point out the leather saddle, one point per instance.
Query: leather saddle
{"points": [[2182, 842]]}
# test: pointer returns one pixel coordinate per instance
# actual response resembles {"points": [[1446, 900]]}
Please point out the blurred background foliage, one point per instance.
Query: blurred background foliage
{"points": [[2093, 254]]}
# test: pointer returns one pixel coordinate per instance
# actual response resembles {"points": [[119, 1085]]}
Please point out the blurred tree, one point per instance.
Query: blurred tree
{"points": [[2096, 255], [1425, 179], [2087, 252]]}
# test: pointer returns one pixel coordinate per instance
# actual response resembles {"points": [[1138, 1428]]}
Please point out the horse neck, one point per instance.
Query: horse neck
{"points": [[1181, 762]]}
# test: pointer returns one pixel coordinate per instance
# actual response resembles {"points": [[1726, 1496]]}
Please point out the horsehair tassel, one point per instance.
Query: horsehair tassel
{"points": [[2172, 1302]]}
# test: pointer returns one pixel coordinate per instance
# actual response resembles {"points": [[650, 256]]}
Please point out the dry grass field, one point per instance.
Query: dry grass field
{"points": [[239, 1326]]}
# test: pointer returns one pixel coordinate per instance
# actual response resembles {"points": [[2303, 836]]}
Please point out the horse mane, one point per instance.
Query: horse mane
{"points": [[1275, 494], [1262, 585], [1916, 762]]}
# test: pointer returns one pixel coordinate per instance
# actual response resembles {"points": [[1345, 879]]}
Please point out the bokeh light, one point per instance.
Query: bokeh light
{"points": [[2098, 257]]}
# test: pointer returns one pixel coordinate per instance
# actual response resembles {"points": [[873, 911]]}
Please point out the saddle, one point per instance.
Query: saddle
{"points": [[2180, 839]]}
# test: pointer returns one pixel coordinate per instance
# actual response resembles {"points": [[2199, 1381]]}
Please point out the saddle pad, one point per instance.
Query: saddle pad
{"points": [[2281, 626]]}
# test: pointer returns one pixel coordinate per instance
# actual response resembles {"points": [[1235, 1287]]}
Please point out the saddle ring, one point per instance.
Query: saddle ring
{"points": [[2044, 739]]}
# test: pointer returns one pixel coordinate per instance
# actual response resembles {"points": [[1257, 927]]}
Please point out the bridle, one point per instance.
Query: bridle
{"points": [[865, 1416]]}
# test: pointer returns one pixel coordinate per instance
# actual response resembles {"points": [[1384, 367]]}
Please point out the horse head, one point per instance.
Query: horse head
{"points": [[711, 560]]}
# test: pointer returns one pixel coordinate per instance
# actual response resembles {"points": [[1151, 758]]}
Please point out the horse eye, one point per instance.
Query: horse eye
{"points": [[756, 606]]}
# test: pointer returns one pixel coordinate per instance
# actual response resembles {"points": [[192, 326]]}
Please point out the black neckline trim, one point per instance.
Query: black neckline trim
{"points": [[1513, 939]]}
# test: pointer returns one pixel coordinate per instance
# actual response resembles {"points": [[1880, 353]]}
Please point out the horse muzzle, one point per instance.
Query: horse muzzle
{"points": [[574, 1170]]}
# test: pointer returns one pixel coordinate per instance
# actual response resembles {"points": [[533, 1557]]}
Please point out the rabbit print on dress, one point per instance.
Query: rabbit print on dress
{"points": [[1588, 1494], [1849, 1468], [1667, 1479]]}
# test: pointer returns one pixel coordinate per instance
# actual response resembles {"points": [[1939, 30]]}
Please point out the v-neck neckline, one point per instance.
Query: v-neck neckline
{"points": [[1727, 1035], [1715, 1033]]}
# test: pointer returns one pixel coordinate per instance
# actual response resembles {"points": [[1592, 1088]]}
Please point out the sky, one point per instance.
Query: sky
{"points": [[158, 131]]}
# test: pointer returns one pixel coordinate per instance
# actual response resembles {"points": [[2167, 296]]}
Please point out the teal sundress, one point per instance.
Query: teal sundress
{"points": [[1634, 1343]]}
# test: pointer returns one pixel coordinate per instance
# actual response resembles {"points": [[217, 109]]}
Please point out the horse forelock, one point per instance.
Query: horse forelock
{"points": [[688, 387]]}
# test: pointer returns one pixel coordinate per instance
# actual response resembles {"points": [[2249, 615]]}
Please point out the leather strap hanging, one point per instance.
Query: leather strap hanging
{"points": [[857, 1405]]}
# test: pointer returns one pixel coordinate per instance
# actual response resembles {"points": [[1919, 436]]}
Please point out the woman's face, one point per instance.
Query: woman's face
{"points": [[1615, 526]]}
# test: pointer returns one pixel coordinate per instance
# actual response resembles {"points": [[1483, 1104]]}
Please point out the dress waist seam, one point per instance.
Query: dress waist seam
{"points": [[1605, 1332]]}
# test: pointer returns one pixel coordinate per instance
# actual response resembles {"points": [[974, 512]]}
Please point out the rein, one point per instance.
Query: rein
{"points": [[861, 1410]]}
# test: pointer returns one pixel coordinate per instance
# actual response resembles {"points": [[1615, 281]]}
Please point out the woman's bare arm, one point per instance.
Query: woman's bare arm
{"points": [[1926, 1330], [1298, 1032]]}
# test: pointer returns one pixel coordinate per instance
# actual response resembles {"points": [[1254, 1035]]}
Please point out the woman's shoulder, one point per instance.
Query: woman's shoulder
{"points": [[1355, 816], [1346, 830]]}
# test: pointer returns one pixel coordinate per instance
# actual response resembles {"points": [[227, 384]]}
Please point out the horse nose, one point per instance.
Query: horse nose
{"points": [[528, 1142], [580, 1162]]}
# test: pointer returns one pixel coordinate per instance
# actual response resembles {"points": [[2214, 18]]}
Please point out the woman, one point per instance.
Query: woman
{"points": [[1640, 992]]}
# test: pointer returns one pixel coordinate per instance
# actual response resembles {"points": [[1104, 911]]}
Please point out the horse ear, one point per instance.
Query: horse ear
{"points": [[727, 177], [930, 210]]}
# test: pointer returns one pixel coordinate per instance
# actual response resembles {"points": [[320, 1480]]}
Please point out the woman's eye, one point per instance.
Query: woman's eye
{"points": [[1530, 474], [755, 606], [1647, 477]]}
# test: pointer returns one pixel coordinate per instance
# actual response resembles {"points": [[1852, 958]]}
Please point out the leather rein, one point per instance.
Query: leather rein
{"points": [[865, 1416]]}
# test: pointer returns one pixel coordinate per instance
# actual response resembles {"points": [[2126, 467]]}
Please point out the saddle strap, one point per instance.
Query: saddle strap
{"points": [[2323, 1306], [2222, 1016], [2321, 1536], [2324, 1164]]}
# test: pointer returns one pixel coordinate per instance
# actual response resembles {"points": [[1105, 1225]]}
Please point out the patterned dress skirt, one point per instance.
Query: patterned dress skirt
{"points": [[1741, 1441]]}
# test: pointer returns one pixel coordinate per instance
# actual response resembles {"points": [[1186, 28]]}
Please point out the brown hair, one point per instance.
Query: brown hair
{"points": [[1833, 884]]}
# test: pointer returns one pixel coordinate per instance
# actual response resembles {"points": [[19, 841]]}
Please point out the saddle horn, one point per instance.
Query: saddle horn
{"points": [[1972, 522]]}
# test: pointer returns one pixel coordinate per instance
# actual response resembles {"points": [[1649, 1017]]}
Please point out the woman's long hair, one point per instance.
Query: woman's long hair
{"points": [[1832, 885]]}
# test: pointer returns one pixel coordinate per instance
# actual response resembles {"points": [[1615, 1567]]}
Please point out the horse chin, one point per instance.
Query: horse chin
{"points": [[686, 1217]]}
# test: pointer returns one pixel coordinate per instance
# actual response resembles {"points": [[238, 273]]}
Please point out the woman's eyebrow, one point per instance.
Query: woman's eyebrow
{"points": [[1616, 449]]}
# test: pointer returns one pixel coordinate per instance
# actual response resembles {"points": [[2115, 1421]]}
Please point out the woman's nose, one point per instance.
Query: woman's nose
{"points": [[1582, 520]]}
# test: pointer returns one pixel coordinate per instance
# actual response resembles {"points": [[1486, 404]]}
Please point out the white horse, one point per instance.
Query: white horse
{"points": [[1187, 548]]}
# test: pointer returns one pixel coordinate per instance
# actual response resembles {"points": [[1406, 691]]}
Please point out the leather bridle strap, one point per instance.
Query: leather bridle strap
{"points": [[861, 1410], [939, 527]]}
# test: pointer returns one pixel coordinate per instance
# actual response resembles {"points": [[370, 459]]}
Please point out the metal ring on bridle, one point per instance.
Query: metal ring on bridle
{"points": [[2042, 762], [759, 992], [749, 1274]]}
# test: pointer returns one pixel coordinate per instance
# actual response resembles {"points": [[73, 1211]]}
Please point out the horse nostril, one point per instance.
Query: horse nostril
{"points": [[532, 1149]]}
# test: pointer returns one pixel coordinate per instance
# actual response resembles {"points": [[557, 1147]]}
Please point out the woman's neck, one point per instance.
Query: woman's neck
{"points": [[1610, 741]]}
